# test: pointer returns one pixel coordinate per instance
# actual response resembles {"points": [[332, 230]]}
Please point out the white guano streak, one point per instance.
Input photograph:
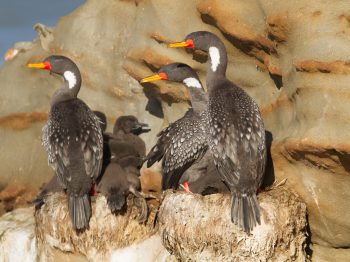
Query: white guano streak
{"points": [[192, 82], [71, 78], [214, 57]]}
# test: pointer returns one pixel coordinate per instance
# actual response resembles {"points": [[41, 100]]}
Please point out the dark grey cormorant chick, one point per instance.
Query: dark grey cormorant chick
{"points": [[126, 143], [203, 177], [182, 142], [121, 175], [236, 131], [73, 140]]}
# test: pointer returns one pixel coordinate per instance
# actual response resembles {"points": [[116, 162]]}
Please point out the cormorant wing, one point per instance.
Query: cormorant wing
{"points": [[180, 145], [238, 137]]}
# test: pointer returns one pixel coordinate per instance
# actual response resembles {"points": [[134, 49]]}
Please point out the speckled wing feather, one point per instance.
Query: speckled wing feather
{"points": [[180, 144], [92, 146], [237, 137], [73, 132]]}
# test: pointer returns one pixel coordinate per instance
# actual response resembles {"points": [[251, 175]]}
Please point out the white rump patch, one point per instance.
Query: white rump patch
{"points": [[71, 78], [192, 82], [214, 57]]}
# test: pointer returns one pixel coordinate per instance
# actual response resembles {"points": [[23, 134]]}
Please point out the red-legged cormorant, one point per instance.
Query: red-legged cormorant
{"points": [[73, 139], [236, 131], [184, 141]]}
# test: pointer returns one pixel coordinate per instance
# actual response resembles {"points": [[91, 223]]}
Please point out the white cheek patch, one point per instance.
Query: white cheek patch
{"points": [[192, 82], [214, 57], [71, 78]]}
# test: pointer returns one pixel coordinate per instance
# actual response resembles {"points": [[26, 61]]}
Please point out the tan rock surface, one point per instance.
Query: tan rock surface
{"points": [[291, 56], [107, 232], [200, 228]]}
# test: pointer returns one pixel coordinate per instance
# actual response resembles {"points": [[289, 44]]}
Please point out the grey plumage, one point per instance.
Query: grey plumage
{"points": [[203, 177], [73, 141], [121, 176], [236, 133], [179, 145], [114, 186], [183, 143]]}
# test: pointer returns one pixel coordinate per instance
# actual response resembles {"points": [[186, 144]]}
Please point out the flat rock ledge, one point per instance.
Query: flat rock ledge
{"points": [[199, 228], [188, 227]]}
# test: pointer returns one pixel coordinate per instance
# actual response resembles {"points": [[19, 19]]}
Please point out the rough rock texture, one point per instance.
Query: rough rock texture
{"points": [[107, 232], [15, 196], [280, 237], [291, 56], [21, 241], [17, 236], [47, 234]]}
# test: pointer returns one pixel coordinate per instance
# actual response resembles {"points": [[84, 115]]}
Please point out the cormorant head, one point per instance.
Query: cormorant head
{"points": [[130, 124], [62, 66], [176, 72], [210, 43], [202, 40]]}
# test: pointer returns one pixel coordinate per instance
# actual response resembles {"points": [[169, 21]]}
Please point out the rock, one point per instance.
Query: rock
{"points": [[21, 240], [150, 180], [150, 250], [17, 237], [107, 233], [199, 228], [45, 35], [290, 56], [15, 196], [326, 254]]}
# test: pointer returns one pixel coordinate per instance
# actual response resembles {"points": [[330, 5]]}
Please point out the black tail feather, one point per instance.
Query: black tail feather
{"points": [[116, 201], [245, 211], [80, 211]]}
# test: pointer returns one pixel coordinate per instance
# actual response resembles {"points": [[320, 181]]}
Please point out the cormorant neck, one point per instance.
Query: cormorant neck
{"points": [[70, 89], [72, 81], [119, 132], [197, 94], [218, 62], [60, 95]]}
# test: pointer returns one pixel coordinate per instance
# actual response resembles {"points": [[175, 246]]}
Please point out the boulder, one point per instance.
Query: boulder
{"points": [[24, 237], [290, 56], [106, 236], [188, 227], [17, 236], [199, 228]]}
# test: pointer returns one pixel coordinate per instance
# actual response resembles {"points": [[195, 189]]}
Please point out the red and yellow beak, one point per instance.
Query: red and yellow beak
{"points": [[43, 65], [187, 44], [160, 76]]}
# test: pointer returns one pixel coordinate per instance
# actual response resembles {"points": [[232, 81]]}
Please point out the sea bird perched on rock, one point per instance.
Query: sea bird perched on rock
{"points": [[73, 139], [121, 174], [184, 141], [236, 134], [203, 177]]}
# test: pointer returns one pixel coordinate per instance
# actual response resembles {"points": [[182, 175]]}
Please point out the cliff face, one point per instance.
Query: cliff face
{"points": [[291, 56]]}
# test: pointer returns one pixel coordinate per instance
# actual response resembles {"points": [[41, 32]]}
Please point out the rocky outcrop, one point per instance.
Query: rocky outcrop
{"points": [[200, 228], [291, 56], [22, 239], [107, 232], [17, 236], [188, 227]]}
